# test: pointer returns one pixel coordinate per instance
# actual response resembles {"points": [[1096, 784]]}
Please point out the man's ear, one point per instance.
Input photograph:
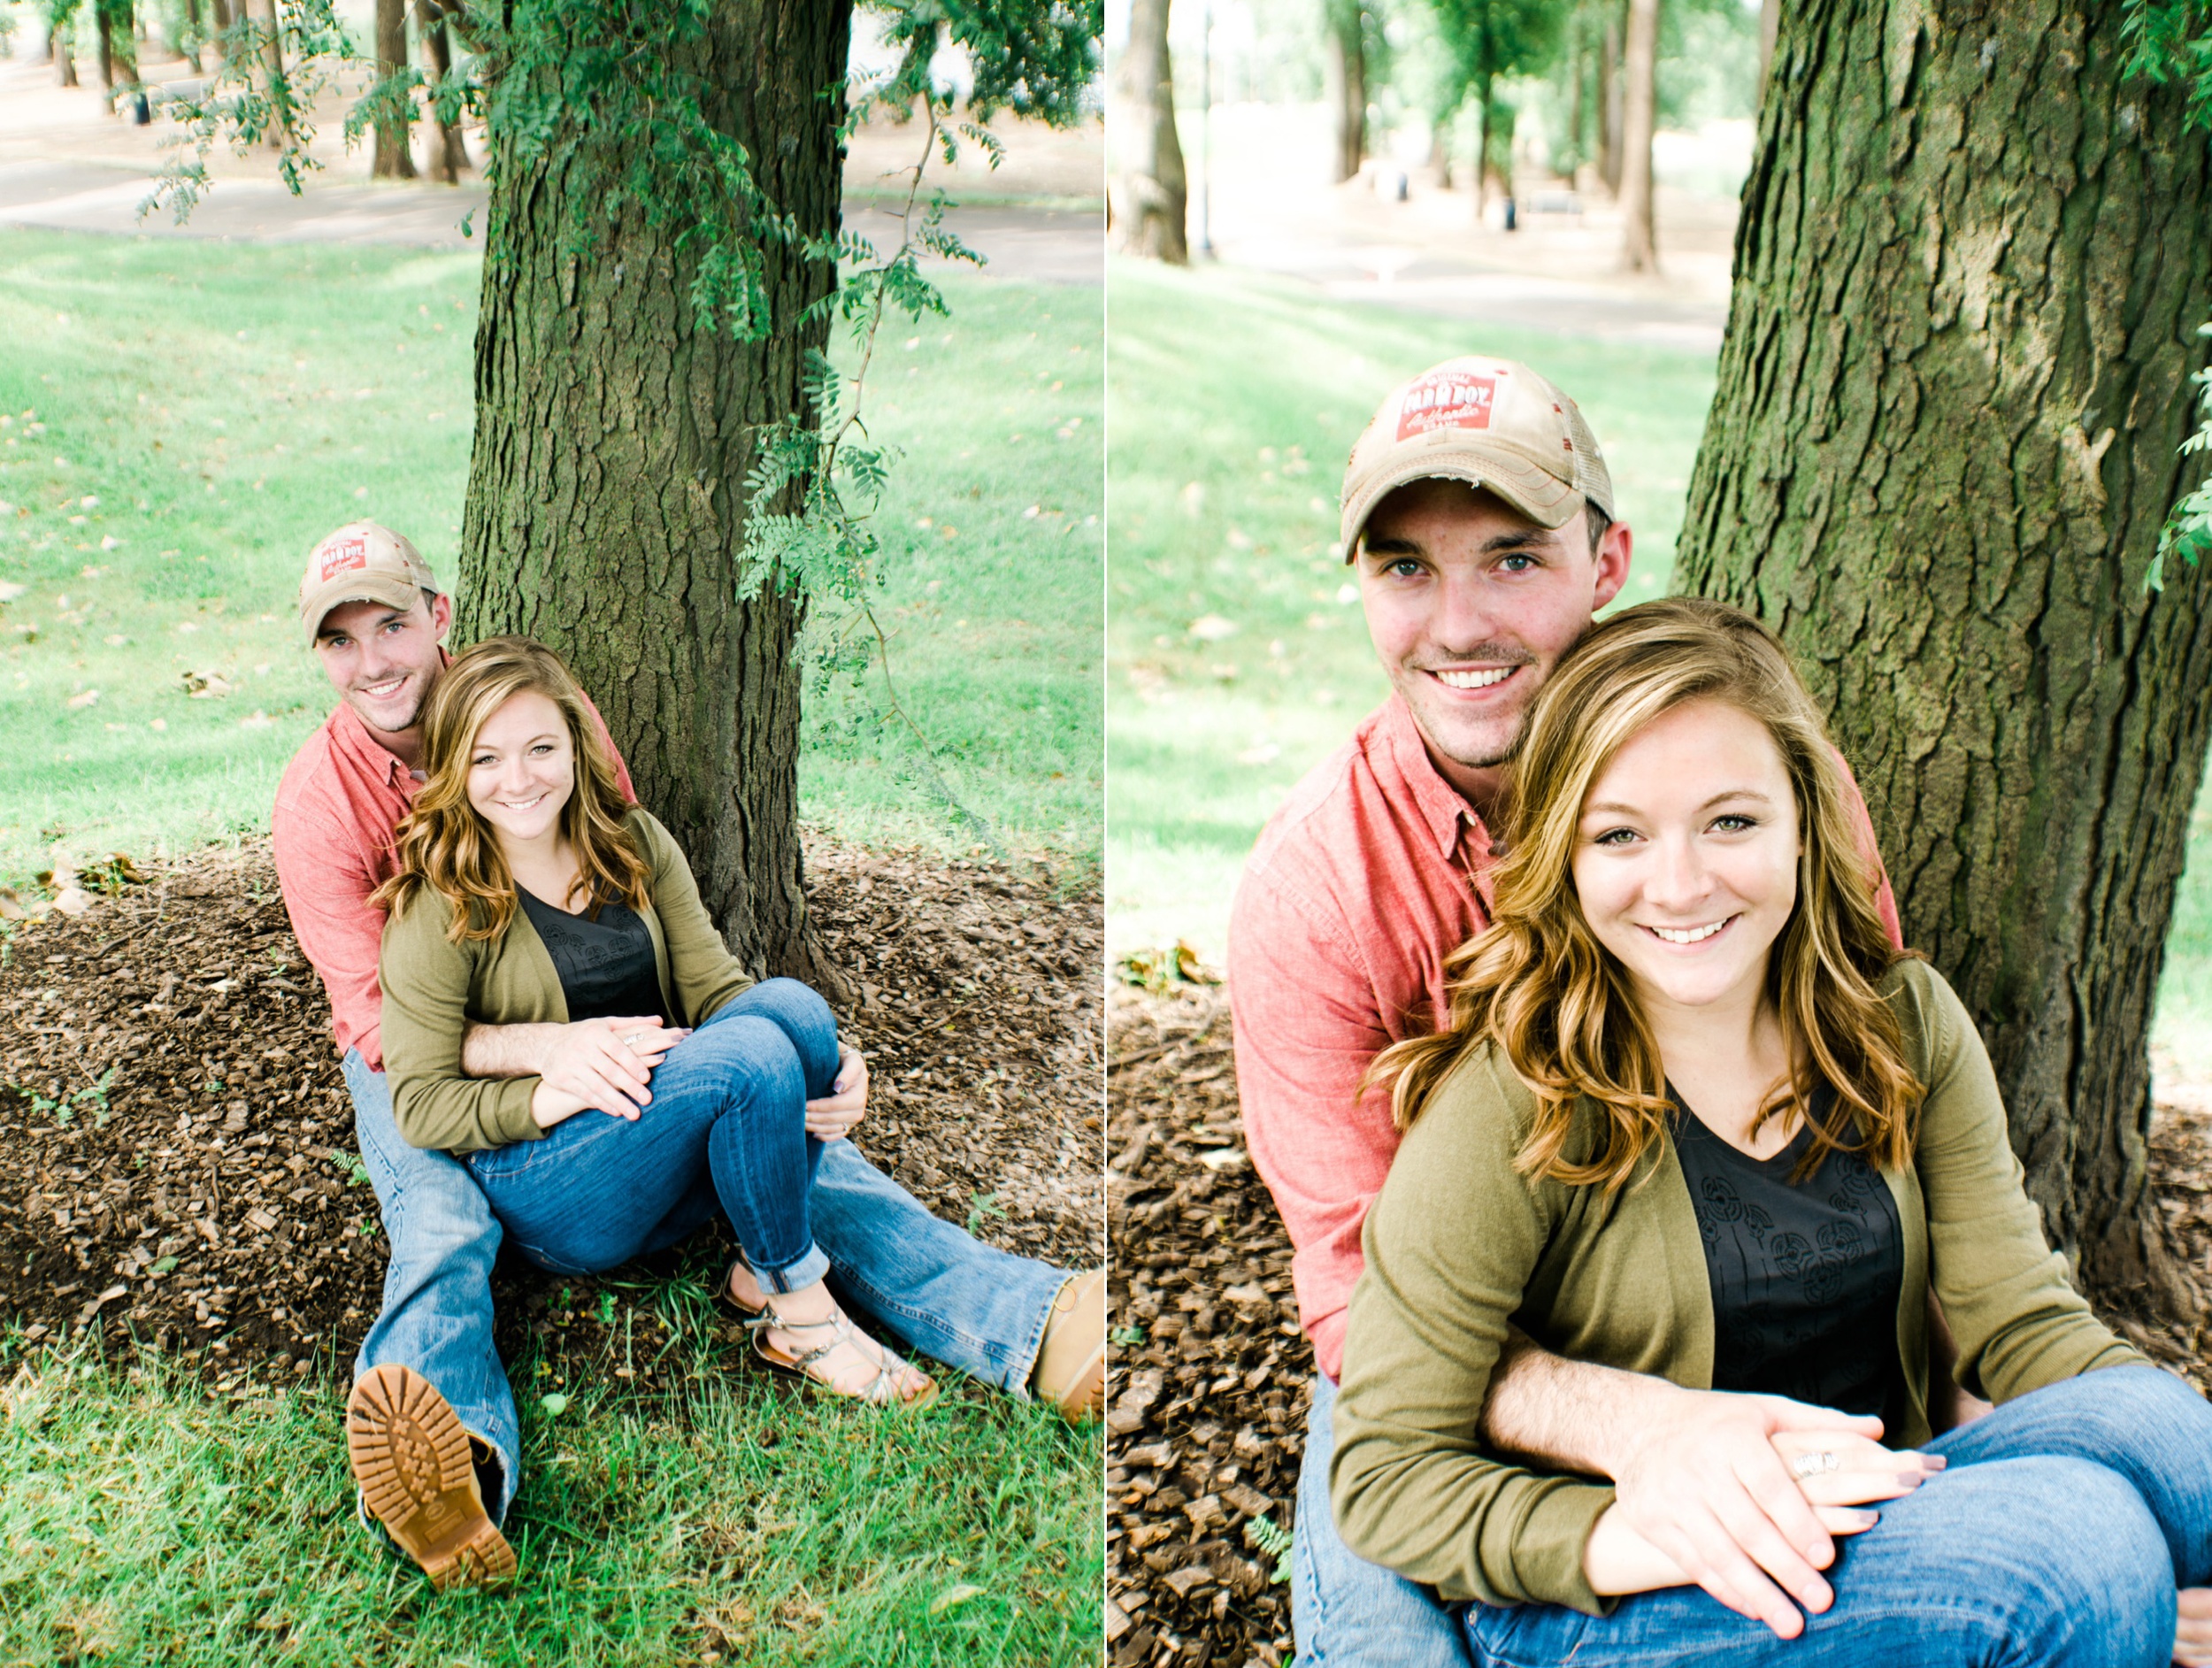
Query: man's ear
{"points": [[1611, 557], [441, 615]]}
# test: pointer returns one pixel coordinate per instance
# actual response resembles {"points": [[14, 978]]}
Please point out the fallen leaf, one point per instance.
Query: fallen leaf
{"points": [[73, 900], [78, 703], [1211, 628], [954, 1595], [554, 1405]]}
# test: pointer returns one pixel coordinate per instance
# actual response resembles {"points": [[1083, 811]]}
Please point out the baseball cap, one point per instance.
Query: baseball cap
{"points": [[1492, 423], [361, 563]]}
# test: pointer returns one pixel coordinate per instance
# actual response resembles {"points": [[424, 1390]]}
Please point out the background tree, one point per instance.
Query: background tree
{"points": [[1148, 195], [119, 43], [1490, 39], [1639, 115], [1973, 254], [61, 16], [394, 156], [1344, 82], [451, 159]]}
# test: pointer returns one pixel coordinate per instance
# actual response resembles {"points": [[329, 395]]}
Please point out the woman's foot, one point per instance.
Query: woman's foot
{"points": [[807, 1333]]}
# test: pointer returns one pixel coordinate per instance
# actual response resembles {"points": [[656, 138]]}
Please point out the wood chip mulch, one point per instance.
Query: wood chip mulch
{"points": [[177, 1162], [1206, 1426]]}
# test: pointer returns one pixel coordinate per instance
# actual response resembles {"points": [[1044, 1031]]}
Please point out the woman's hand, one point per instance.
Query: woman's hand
{"points": [[1838, 1469], [2193, 1637], [1617, 1559], [831, 1117], [600, 1065]]}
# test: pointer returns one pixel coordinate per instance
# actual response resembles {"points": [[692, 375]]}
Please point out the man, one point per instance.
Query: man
{"points": [[1480, 515], [431, 1426]]}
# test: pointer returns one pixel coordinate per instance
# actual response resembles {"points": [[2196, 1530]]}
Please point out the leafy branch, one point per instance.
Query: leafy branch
{"points": [[2171, 41]]}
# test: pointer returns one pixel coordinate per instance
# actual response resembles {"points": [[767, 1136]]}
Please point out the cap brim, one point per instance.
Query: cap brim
{"points": [[391, 589], [1542, 497]]}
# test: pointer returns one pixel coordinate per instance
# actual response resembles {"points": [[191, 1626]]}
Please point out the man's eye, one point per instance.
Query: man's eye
{"points": [[1516, 564], [1405, 568]]}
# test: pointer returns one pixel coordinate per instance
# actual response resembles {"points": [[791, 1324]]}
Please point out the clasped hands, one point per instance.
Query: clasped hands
{"points": [[606, 1065], [1736, 1494]]}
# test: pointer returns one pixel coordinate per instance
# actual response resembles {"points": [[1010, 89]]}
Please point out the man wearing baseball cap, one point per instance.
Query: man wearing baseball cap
{"points": [[431, 1425], [1480, 516]]}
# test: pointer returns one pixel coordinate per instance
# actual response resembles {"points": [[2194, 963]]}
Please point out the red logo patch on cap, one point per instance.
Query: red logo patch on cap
{"points": [[341, 555], [1446, 399]]}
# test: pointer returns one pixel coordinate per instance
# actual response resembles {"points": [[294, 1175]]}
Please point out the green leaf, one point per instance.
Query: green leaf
{"points": [[162, 1265], [554, 1405]]}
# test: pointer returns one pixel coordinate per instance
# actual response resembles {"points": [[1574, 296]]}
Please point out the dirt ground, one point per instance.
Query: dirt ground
{"points": [[177, 1160], [1206, 1424]]}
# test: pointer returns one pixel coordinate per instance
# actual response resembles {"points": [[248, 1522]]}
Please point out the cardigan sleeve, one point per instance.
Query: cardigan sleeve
{"points": [[2019, 1322], [426, 979], [700, 966], [1450, 1245]]}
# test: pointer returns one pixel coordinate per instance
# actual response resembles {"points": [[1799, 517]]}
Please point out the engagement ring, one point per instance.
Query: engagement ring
{"points": [[632, 1037], [1814, 1465]]}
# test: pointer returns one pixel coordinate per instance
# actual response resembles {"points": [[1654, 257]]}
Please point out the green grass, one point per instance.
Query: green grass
{"points": [[1230, 383], [225, 406], [1234, 401], [146, 1521]]}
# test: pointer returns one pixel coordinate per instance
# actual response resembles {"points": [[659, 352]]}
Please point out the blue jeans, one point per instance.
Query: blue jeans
{"points": [[726, 1127], [437, 1313], [2057, 1537], [1342, 1607]]}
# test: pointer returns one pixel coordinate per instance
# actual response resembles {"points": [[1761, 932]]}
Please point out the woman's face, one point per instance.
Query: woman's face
{"points": [[522, 768], [1685, 858]]}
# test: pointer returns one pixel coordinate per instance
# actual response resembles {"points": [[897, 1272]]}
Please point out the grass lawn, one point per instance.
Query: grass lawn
{"points": [[1236, 651], [145, 1520], [184, 420]]}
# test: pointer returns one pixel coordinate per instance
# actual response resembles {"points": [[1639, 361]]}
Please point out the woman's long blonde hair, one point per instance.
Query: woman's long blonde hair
{"points": [[1559, 1007], [443, 843]]}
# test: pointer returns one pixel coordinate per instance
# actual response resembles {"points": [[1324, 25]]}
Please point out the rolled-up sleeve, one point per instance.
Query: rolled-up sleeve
{"points": [[426, 979]]}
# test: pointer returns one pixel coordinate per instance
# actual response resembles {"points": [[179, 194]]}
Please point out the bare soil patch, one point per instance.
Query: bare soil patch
{"points": [[1206, 1423], [177, 1164]]}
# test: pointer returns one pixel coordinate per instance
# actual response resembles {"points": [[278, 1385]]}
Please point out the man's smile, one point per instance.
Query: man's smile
{"points": [[1469, 679]]}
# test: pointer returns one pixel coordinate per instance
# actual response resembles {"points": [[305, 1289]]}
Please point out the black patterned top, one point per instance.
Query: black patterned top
{"points": [[605, 960], [1805, 1277]]}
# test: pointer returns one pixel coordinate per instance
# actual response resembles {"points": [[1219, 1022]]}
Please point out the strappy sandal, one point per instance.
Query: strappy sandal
{"points": [[880, 1391]]}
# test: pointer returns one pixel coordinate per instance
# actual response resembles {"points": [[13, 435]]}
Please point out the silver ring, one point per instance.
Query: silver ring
{"points": [[1814, 1464], [633, 1037]]}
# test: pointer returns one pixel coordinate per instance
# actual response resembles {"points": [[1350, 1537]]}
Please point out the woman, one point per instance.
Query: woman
{"points": [[528, 892], [1691, 1115]]}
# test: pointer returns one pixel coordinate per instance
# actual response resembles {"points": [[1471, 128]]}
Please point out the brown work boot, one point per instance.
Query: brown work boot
{"points": [[1071, 1371], [410, 1458]]}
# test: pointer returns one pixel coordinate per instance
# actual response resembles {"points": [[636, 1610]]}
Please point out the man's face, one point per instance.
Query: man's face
{"points": [[382, 659], [1470, 604]]}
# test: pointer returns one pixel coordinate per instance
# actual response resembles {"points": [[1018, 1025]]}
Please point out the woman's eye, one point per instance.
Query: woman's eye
{"points": [[1734, 824], [1615, 837], [482, 759]]}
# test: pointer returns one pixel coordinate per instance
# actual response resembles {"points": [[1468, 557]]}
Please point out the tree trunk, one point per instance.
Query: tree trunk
{"points": [[1640, 250], [395, 155], [1344, 84], [1482, 144], [1968, 272], [57, 42], [450, 161], [1149, 195], [1609, 100], [280, 84], [1578, 109], [105, 26], [221, 10], [614, 431]]}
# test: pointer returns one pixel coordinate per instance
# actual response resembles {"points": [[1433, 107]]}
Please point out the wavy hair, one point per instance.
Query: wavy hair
{"points": [[1557, 1005], [444, 844]]}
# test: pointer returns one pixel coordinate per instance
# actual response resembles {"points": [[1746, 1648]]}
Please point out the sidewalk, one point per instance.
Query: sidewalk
{"points": [[66, 165]]}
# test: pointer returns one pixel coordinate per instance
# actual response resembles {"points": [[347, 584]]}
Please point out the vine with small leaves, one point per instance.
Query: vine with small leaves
{"points": [[2170, 41]]}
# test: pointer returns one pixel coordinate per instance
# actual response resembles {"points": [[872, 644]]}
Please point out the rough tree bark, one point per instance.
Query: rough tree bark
{"points": [[1969, 272], [1149, 193], [395, 152], [613, 433], [1344, 84], [1639, 249]]}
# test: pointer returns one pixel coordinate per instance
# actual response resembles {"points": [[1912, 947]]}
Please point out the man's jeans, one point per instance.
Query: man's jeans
{"points": [[2056, 1538], [1344, 1610], [902, 1270]]}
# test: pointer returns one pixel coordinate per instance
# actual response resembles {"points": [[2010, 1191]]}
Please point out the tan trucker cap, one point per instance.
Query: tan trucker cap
{"points": [[361, 563], [1491, 423]]}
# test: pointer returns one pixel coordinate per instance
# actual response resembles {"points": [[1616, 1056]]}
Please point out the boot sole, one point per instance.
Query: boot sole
{"points": [[410, 1458]]}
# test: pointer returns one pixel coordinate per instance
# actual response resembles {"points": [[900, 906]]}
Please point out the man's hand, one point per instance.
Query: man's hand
{"points": [[595, 1065], [1702, 1476], [831, 1117], [2192, 1637]]}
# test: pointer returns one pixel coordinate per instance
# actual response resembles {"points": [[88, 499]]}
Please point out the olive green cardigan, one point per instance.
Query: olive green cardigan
{"points": [[1458, 1244], [434, 988]]}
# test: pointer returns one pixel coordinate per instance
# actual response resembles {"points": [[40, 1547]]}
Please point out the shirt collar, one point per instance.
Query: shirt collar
{"points": [[1440, 804]]}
